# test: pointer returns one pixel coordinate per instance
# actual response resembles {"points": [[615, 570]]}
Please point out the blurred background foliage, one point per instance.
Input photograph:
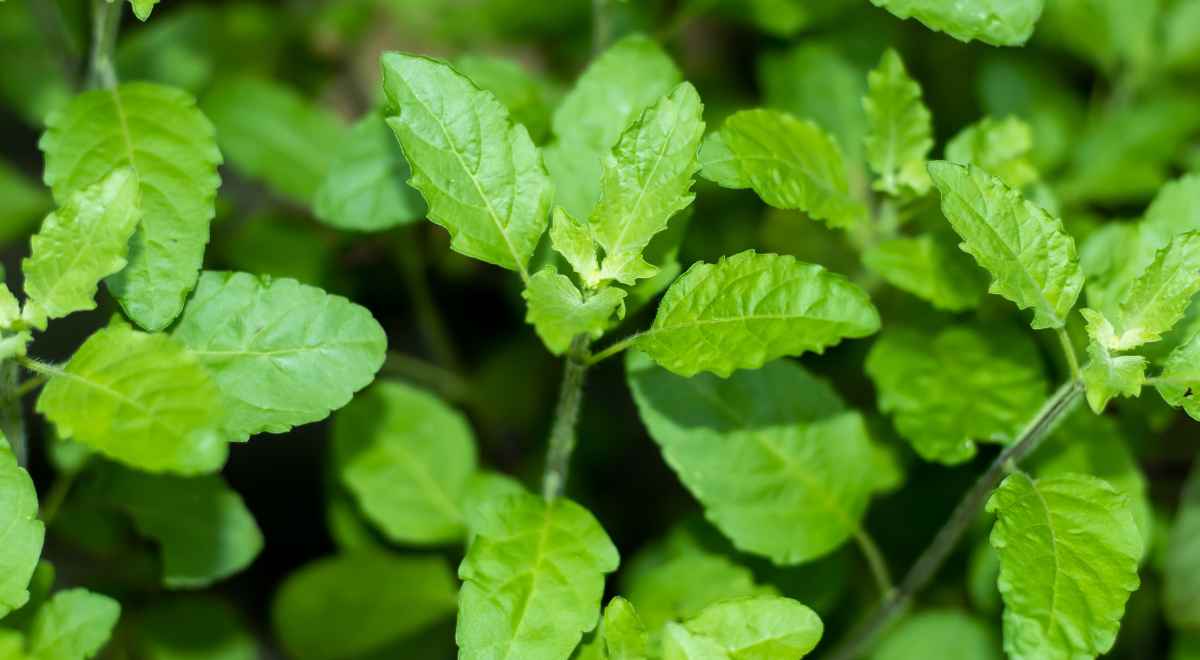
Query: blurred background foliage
{"points": [[1109, 88]]}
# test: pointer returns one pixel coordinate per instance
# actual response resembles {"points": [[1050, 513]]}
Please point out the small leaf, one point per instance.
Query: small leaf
{"points": [[752, 628], [781, 466], [80, 244], [407, 458], [930, 267], [559, 311], [750, 308], [288, 141], [21, 533], [203, 528], [1179, 382], [140, 399], [956, 634], [10, 307], [623, 632], [995, 22], [159, 133], [282, 353], [1181, 570], [1030, 256], [365, 189], [792, 164], [899, 128], [481, 175], [1069, 553], [142, 8], [1000, 146], [1161, 295], [964, 384], [73, 625], [1106, 375], [355, 604], [532, 579], [573, 239], [647, 179]]}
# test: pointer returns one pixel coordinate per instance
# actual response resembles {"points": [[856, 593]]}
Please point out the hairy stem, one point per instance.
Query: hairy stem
{"points": [[1069, 352], [429, 320], [12, 415], [566, 417], [927, 565], [106, 20], [876, 562]]}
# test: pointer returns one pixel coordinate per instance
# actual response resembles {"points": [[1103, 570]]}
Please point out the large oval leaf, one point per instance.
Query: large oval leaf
{"points": [[21, 533]]}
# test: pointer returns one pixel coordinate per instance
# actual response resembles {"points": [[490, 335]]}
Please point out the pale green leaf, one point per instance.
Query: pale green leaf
{"points": [[751, 308], [142, 8], [963, 385], [21, 533], [483, 490], [792, 164], [532, 580], [407, 458], [1179, 382], [757, 628], [481, 176], [203, 528], [779, 463], [680, 644], [10, 307], [351, 605], [1181, 571], [365, 189], [527, 97], [899, 128], [138, 398], [78, 245], [1069, 553], [573, 239], [930, 267], [282, 353], [73, 625], [623, 632], [647, 179], [1001, 147], [198, 627], [559, 311], [939, 633], [287, 141], [159, 133], [1030, 256], [995, 22], [719, 165], [1107, 375], [1161, 295]]}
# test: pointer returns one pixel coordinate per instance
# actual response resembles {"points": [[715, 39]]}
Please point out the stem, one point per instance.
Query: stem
{"points": [[612, 350], [927, 565], [28, 386], [1069, 351], [448, 383], [566, 416], [12, 415], [879, 567], [106, 20], [429, 320], [57, 495], [50, 21], [601, 26]]}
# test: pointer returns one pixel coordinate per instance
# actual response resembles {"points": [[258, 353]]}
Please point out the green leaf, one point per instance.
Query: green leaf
{"points": [[1181, 570], [899, 128], [1069, 552], [159, 133], [282, 353], [930, 267], [753, 628], [750, 308], [947, 632], [719, 165], [1160, 296], [79, 245], [623, 632], [364, 189], [203, 528], [481, 175], [995, 22], [1106, 375], [792, 164], [73, 625], [198, 627], [10, 307], [963, 385], [532, 579], [407, 458], [772, 454], [527, 98], [1030, 256], [287, 141], [647, 179], [573, 239], [559, 311], [350, 605], [21, 533], [140, 399], [142, 8], [1179, 382], [1002, 147]]}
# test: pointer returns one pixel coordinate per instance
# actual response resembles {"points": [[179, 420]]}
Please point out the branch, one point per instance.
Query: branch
{"points": [[566, 417], [106, 20], [927, 565]]}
